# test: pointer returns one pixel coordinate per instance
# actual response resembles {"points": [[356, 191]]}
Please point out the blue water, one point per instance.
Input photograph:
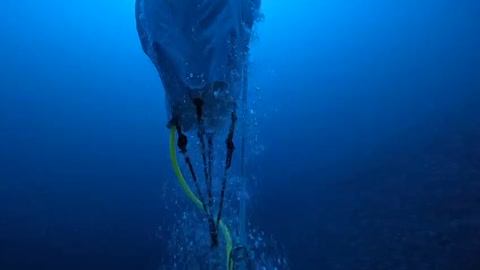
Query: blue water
{"points": [[367, 152]]}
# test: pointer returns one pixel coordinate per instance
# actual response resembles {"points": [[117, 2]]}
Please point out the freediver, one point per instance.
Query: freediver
{"points": [[200, 50]]}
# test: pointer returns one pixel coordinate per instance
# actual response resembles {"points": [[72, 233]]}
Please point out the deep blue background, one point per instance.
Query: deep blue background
{"points": [[369, 121]]}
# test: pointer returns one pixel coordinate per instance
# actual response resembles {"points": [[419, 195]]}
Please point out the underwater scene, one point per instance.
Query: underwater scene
{"points": [[240, 135]]}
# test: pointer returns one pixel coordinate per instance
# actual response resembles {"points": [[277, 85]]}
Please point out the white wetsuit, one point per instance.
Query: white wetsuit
{"points": [[199, 48]]}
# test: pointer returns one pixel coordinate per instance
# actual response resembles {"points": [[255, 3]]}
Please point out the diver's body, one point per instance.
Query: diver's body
{"points": [[199, 48]]}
